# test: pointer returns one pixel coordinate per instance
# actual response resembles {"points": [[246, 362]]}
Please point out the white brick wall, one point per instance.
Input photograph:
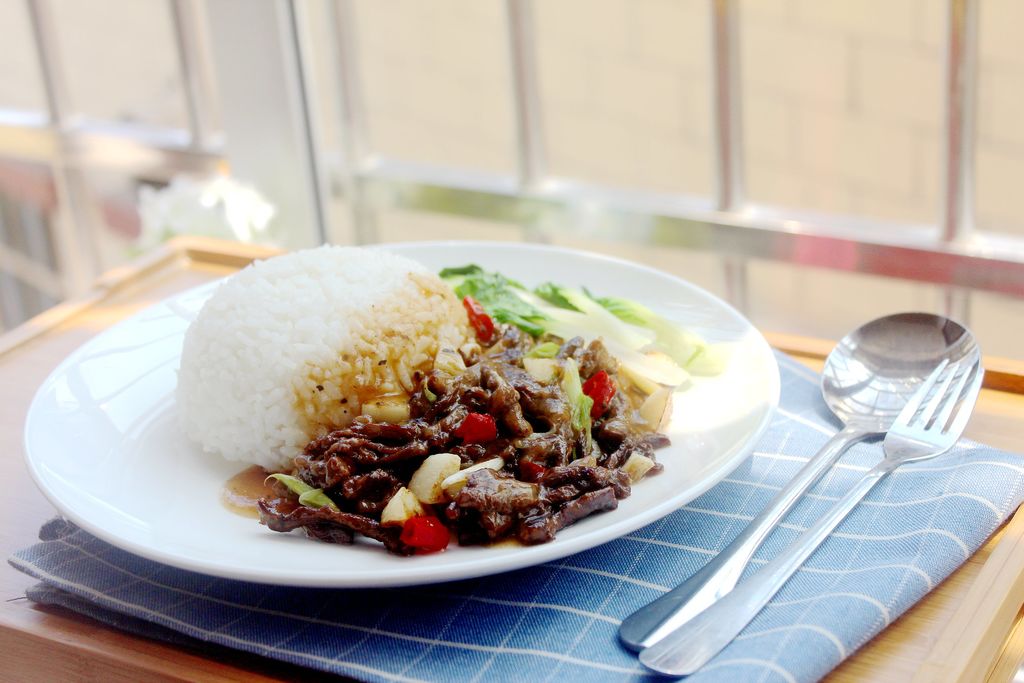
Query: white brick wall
{"points": [[898, 85], [1000, 155], [1001, 120], [770, 130], [842, 99], [1000, 175], [20, 86], [999, 22], [118, 56], [436, 81], [886, 19], [626, 92], [793, 62], [660, 27]]}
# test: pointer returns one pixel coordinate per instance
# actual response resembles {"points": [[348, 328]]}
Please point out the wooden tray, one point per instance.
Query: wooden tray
{"points": [[968, 629]]}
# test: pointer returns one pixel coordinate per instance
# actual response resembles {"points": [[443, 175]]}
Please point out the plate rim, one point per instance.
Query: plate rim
{"points": [[469, 567]]}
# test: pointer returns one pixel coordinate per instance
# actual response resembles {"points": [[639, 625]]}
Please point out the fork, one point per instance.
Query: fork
{"points": [[917, 434]]}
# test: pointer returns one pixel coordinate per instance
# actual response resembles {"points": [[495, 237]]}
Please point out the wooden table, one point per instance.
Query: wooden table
{"points": [[968, 629]]}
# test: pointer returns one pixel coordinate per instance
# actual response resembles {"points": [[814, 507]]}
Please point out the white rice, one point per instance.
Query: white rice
{"points": [[293, 346]]}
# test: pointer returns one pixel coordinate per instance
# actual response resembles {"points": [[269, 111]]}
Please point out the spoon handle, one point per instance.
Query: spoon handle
{"points": [[694, 644], [654, 621]]}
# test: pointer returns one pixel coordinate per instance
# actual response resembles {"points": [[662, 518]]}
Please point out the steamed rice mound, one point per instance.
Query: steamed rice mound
{"points": [[292, 347]]}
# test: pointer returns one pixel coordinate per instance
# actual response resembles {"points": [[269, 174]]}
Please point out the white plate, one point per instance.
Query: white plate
{"points": [[103, 443]]}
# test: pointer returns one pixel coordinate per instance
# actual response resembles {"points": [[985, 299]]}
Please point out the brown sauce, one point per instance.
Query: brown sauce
{"points": [[242, 491]]}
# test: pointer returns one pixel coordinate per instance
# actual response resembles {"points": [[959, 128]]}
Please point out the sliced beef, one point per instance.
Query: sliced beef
{"points": [[570, 348], [537, 525], [543, 405], [468, 528], [644, 444], [488, 490], [329, 525], [549, 449], [365, 442], [443, 434], [596, 358], [616, 425], [475, 452], [510, 346], [587, 504], [370, 492], [496, 524], [450, 391], [586, 479], [382, 434], [656, 440], [504, 403]]}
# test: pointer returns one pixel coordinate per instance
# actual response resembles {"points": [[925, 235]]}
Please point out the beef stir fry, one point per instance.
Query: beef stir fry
{"points": [[516, 439]]}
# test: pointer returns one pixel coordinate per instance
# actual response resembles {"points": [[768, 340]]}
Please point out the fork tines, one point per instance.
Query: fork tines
{"points": [[943, 402]]}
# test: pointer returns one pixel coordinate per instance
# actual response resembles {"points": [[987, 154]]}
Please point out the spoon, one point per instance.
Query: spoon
{"points": [[868, 377]]}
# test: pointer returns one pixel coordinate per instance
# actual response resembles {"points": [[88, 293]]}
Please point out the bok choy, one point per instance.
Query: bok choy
{"points": [[651, 349]]}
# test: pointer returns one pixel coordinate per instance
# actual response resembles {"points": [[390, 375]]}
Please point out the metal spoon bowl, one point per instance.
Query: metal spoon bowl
{"points": [[868, 378], [873, 371]]}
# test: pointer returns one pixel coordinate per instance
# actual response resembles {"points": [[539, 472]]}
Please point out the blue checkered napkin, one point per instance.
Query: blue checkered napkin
{"points": [[559, 621]]}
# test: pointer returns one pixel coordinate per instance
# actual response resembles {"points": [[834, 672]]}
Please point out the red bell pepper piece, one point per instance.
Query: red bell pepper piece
{"points": [[479, 319], [530, 471], [425, 534], [477, 428], [601, 389]]}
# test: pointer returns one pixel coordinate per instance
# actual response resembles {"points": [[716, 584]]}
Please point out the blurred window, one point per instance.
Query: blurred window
{"points": [[120, 62], [21, 87]]}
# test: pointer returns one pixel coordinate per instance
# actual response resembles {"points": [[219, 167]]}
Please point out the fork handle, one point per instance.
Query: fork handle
{"points": [[654, 621], [689, 647]]}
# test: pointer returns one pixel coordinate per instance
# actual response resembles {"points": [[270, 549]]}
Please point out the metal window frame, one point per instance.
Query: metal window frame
{"points": [[70, 145], [950, 253], [196, 69]]}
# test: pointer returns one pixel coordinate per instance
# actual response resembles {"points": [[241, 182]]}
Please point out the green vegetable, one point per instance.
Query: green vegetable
{"points": [[544, 350], [623, 309], [470, 269], [497, 294], [629, 330], [316, 498], [711, 361], [308, 496], [449, 362], [554, 295], [576, 307], [684, 347], [580, 404], [430, 395], [294, 484], [508, 301]]}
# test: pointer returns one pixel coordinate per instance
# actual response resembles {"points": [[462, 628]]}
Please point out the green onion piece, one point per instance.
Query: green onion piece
{"points": [[431, 396], [316, 498], [580, 404], [545, 350], [294, 484]]}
